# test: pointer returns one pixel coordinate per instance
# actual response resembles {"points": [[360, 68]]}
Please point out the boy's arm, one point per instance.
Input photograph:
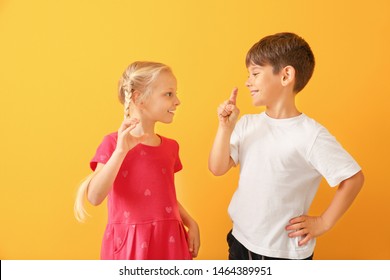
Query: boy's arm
{"points": [[311, 227], [219, 160], [193, 231], [345, 195]]}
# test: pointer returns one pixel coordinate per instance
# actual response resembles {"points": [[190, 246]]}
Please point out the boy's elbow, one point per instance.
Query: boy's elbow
{"points": [[220, 168], [216, 171]]}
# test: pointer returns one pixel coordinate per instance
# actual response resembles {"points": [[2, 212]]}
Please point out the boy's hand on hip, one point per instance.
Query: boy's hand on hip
{"points": [[307, 227], [228, 111]]}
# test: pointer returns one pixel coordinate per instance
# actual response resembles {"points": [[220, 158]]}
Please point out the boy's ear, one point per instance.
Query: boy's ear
{"points": [[287, 75]]}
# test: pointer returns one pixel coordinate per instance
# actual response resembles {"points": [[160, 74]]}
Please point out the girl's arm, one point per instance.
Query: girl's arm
{"points": [[311, 227], [103, 179], [219, 160], [105, 174], [193, 231]]}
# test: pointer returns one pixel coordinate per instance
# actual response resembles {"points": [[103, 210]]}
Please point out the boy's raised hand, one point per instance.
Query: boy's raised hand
{"points": [[228, 112]]}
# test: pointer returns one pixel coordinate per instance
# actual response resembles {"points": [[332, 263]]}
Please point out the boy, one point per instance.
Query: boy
{"points": [[283, 154]]}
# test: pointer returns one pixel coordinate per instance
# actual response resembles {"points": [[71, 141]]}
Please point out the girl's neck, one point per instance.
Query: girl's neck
{"points": [[145, 127], [152, 138]]}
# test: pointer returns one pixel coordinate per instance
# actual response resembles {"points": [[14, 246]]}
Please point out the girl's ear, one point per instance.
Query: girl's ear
{"points": [[287, 75], [136, 97]]}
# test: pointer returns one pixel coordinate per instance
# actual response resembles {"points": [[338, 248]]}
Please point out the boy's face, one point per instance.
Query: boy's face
{"points": [[265, 86]]}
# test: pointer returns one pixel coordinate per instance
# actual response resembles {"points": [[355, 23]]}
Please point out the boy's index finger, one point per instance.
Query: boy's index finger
{"points": [[233, 96]]}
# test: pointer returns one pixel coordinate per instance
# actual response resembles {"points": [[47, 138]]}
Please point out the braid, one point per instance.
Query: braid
{"points": [[127, 103], [126, 90]]}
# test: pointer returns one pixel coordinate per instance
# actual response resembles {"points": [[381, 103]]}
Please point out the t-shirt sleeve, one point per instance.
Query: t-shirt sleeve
{"points": [[235, 141], [331, 160], [104, 151]]}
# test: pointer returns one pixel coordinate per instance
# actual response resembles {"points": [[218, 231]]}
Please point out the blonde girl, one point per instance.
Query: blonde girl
{"points": [[134, 168]]}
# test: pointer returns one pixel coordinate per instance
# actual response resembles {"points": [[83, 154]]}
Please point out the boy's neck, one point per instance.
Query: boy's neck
{"points": [[282, 104], [282, 111]]}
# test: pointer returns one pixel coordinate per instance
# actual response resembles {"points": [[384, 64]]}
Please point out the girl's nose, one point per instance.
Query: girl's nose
{"points": [[177, 103]]}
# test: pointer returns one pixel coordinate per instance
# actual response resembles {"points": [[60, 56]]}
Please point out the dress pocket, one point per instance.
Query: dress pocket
{"points": [[121, 232]]}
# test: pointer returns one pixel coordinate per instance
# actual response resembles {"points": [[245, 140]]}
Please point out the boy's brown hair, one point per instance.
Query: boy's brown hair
{"points": [[283, 49]]}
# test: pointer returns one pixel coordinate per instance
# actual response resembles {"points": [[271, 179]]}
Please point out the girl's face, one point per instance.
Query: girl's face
{"points": [[162, 102], [264, 85]]}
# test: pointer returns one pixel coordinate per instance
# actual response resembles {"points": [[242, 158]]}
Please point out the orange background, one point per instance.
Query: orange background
{"points": [[59, 66]]}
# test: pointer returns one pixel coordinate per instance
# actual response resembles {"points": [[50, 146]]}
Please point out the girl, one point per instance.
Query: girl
{"points": [[134, 168]]}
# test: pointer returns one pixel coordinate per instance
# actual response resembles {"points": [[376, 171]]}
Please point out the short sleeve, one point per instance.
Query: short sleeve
{"points": [[235, 141], [331, 160], [104, 151], [178, 165]]}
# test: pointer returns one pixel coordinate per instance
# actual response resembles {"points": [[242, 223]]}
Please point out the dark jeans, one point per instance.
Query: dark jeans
{"points": [[237, 251]]}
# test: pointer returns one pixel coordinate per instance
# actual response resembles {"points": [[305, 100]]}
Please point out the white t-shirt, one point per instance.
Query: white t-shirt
{"points": [[281, 162]]}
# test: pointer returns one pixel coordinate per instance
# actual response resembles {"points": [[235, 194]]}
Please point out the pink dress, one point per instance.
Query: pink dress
{"points": [[143, 215]]}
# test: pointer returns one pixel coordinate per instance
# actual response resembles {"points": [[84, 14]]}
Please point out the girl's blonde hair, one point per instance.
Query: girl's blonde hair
{"points": [[138, 76], [79, 208]]}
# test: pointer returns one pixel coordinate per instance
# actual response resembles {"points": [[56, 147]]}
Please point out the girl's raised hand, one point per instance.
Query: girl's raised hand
{"points": [[228, 111], [126, 141]]}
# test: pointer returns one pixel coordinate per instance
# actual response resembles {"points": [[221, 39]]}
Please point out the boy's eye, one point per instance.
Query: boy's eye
{"points": [[253, 74], [168, 94]]}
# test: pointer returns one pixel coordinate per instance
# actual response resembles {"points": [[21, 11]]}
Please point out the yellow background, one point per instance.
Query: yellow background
{"points": [[59, 66]]}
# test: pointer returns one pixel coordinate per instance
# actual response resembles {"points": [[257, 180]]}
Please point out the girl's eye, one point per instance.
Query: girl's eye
{"points": [[168, 94]]}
